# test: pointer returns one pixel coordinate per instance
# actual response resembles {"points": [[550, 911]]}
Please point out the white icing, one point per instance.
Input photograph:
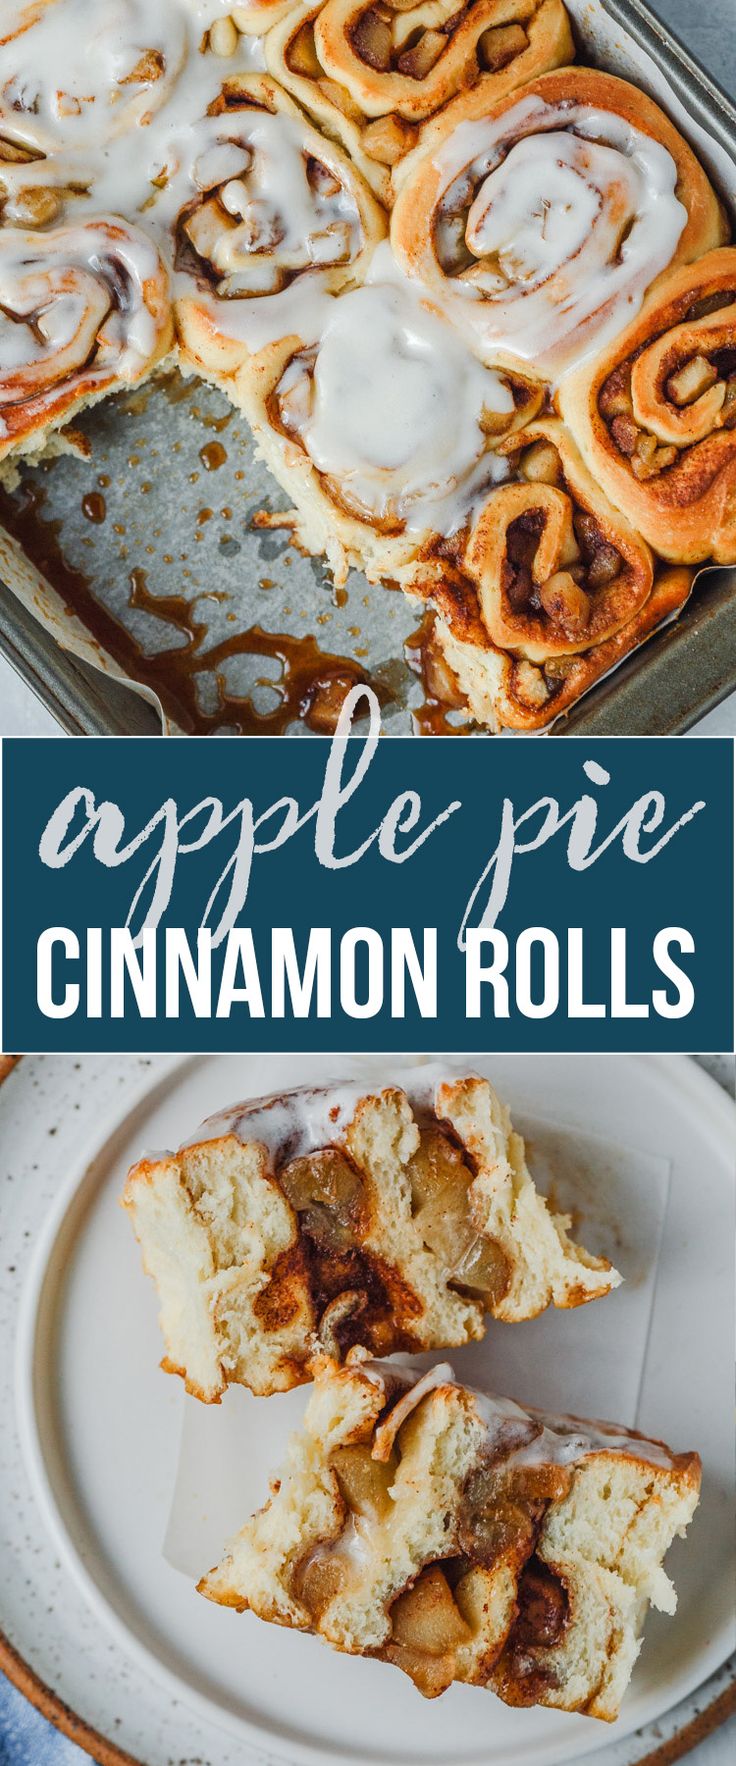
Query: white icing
{"points": [[150, 153], [576, 211], [391, 404], [68, 80]]}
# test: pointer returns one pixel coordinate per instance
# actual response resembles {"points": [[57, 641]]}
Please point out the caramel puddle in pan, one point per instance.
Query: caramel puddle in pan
{"points": [[312, 684]]}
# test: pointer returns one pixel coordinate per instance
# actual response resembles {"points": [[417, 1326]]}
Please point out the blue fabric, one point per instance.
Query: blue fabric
{"points": [[26, 1739]]}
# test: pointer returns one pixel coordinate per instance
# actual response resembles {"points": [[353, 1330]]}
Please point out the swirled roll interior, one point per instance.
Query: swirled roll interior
{"points": [[384, 430], [505, 691], [372, 74], [655, 414], [55, 94], [539, 220], [83, 311], [462, 1538], [321, 1219]]}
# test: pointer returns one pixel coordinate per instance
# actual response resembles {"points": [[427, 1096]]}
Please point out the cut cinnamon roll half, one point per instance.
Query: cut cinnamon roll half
{"points": [[75, 76], [371, 74], [655, 414], [308, 1223], [541, 221], [383, 430], [554, 568], [460, 1537], [502, 691], [275, 214], [84, 310]]}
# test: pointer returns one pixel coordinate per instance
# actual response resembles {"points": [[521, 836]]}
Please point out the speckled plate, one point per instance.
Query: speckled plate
{"points": [[90, 1433]]}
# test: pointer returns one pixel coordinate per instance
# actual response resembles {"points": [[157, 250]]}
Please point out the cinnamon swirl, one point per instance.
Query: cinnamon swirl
{"points": [[83, 311], [372, 74], [275, 215], [541, 221], [305, 1223], [655, 414]]}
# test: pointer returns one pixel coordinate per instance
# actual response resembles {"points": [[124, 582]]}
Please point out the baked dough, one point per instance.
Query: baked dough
{"points": [[655, 413], [324, 1219]]}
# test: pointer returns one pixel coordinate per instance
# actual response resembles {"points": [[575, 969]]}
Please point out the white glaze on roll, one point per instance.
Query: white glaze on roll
{"points": [[293, 1123], [574, 214], [72, 295]]}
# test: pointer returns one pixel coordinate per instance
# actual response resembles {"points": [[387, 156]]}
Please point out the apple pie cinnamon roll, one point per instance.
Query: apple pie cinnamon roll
{"points": [[74, 76], [310, 1223], [462, 1538], [373, 73], [84, 310], [383, 429], [541, 221], [655, 414], [275, 213], [553, 567]]}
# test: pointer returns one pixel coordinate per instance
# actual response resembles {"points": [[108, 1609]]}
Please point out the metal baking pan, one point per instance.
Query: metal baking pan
{"points": [[229, 628]]}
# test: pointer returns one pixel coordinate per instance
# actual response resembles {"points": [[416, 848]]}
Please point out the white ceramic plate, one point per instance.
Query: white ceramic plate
{"points": [[100, 1424]]}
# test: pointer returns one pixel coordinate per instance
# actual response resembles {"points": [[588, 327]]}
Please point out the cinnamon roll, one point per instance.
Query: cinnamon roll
{"points": [[303, 1224], [275, 215], [541, 221], [382, 429], [503, 691], [372, 74], [460, 1537], [71, 76], [83, 311], [655, 414]]}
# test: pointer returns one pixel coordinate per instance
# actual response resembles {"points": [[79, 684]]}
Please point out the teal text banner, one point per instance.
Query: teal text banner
{"points": [[367, 893]]}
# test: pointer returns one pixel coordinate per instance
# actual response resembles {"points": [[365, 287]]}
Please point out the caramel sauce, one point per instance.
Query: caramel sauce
{"points": [[312, 684]]}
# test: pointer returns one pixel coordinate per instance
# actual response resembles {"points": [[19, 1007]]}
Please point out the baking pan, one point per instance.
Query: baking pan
{"points": [[222, 626]]}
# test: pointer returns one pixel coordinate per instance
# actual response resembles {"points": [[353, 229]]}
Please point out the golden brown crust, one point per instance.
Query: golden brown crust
{"points": [[42, 269], [637, 389], [372, 75]]}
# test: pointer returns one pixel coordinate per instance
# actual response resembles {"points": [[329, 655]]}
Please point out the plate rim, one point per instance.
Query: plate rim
{"points": [[678, 1068]]}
